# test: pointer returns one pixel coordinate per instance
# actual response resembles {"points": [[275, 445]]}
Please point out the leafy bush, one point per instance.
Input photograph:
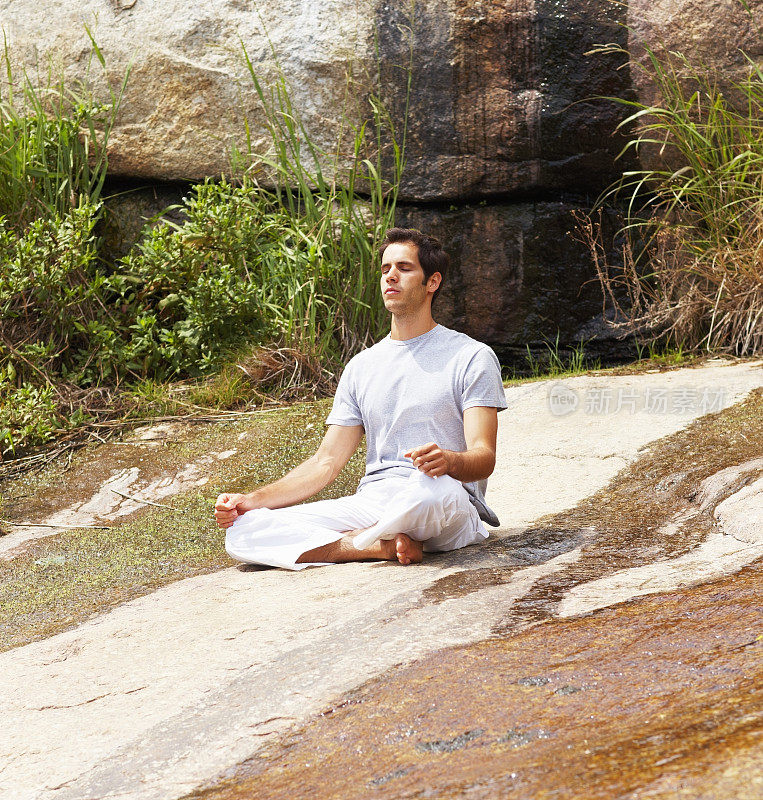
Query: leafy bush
{"points": [[193, 291], [52, 295], [28, 413], [288, 271], [242, 267]]}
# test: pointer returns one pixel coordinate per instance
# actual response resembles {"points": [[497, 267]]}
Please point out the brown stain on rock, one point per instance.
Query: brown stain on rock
{"points": [[532, 547], [523, 112], [614, 704], [626, 517], [619, 527]]}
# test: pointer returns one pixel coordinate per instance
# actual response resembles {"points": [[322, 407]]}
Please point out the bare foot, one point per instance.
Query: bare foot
{"points": [[407, 550], [402, 548]]}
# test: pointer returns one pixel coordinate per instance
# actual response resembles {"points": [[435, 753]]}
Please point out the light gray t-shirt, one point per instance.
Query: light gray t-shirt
{"points": [[410, 392]]}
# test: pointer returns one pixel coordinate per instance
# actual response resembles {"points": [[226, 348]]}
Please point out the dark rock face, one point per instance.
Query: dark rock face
{"points": [[503, 109], [518, 273], [502, 99], [130, 209]]}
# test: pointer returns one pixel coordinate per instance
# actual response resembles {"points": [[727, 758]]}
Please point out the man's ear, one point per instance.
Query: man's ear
{"points": [[434, 281]]}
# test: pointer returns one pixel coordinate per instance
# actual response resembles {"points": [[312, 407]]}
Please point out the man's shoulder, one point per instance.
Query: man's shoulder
{"points": [[463, 344], [366, 357], [368, 353]]}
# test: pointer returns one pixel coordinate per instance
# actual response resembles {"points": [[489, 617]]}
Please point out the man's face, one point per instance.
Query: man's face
{"points": [[403, 286]]}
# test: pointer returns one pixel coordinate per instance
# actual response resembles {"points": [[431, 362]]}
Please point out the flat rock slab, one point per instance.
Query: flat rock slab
{"points": [[550, 456], [164, 692], [124, 487]]}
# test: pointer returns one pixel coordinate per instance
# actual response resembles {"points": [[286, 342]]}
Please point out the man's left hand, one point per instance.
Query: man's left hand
{"points": [[430, 459]]}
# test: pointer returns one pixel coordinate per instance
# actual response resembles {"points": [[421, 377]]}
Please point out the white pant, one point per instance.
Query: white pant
{"points": [[436, 511]]}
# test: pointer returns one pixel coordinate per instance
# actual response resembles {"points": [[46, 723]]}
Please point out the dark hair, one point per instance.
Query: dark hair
{"points": [[431, 255]]}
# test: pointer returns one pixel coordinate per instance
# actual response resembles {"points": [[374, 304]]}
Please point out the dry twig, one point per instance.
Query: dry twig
{"points": [[139, 500]]}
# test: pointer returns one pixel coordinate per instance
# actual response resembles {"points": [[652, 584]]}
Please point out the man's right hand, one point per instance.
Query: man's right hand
{"points": [[305, 480], [228, 507]]}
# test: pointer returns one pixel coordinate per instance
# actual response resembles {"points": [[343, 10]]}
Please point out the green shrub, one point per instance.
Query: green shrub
{"points": [[194, 290], [29, 415], [53, 296]]}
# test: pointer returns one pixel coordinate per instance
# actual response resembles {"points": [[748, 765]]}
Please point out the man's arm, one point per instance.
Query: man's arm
{"points": [[305, 480], [475, 463]]}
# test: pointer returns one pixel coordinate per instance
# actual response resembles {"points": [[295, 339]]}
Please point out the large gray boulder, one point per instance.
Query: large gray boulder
{"points": [[189, 90], [712, 32], [491, 109]]}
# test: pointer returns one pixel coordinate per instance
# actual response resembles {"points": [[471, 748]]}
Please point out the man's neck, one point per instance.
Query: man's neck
{"points": [[411, 327]]}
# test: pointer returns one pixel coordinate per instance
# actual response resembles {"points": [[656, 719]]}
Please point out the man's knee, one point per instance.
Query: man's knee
{"points": [[435, 501], [434, 491], [252, 515]]}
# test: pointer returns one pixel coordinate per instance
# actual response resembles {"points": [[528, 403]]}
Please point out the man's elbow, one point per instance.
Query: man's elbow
{"points": [[476, 464], [326, 468], [487, 464], [487, 473]]}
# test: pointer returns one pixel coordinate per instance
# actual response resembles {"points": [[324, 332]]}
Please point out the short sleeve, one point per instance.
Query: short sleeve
{"points": [[345, 410], [482, 384]]}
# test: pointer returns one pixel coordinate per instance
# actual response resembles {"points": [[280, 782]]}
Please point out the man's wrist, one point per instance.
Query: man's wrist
{"points": [[255, 498], [453, 462]]}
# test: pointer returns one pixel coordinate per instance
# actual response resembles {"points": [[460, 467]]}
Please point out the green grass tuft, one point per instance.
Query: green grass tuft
{"points": [[693, 257]]}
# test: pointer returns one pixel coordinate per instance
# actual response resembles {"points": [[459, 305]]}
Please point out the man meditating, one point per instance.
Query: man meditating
{"points": [[427, 399]]}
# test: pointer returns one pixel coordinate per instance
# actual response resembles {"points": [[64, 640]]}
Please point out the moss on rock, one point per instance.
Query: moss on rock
{"points": [[59, 581]]}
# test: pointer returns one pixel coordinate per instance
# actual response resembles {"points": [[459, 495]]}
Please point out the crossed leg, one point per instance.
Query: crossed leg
{"points": [[405, 515], [402, 549]]}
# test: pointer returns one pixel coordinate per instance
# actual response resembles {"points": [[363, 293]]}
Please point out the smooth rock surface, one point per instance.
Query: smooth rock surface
{"points": [[659, 698], [162, 693], [501, 92], [579, 451], [741, 515], [737, 540]]}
